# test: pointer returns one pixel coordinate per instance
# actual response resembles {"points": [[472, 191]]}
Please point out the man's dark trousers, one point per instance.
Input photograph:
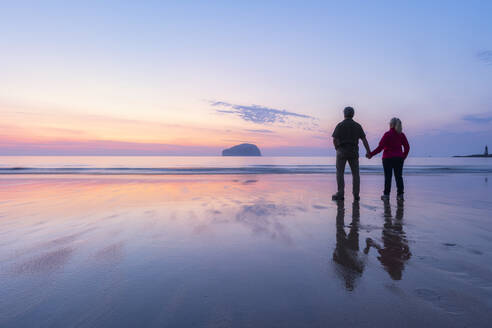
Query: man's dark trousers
{"points": [[353, 160]]}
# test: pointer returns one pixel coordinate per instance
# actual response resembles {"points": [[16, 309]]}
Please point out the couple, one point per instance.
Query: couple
{"points": [[346, 141]]}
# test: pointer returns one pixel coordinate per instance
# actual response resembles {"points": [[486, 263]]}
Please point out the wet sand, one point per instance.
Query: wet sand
{"points": [[243, 251]]}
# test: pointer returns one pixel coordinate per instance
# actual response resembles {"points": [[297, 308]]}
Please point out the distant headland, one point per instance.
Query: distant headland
{"points": [[244, 149], [485, 154]]}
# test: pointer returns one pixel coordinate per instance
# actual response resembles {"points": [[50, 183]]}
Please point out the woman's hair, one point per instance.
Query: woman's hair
{"points": [[396, 123]]}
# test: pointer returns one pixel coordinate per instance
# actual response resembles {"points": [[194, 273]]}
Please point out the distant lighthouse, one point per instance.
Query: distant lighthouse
{"points": [[486, 153]]}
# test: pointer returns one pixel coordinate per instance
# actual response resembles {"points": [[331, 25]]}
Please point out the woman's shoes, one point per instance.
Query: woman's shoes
{"points": [[386, 198]]}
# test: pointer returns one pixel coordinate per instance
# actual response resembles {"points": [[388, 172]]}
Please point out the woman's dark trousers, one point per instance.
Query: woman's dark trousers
{"points": [[390, 165]]}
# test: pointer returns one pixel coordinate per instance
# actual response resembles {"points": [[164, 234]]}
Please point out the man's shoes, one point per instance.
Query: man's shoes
{"points": [[385, 198], [400, 198], [337, 197]]}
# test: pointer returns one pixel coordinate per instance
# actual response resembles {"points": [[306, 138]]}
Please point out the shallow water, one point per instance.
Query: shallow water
{"points": [[244, 251]]}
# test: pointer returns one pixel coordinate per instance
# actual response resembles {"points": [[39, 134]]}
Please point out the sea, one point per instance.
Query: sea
{"points": [[202, 165]]}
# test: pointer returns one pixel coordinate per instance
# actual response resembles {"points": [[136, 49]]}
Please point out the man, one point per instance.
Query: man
{"points": [[346, 141]]}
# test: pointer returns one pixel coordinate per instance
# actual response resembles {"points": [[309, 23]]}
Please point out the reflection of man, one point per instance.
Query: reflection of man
{"points": [[395, 251], [346, 252], [346, 141]]}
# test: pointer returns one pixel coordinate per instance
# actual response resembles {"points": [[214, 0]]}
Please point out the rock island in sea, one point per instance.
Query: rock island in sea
{"points": [[244, 149]]}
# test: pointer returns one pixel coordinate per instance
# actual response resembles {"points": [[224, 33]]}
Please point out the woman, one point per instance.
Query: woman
{"points": [[393, 157]]}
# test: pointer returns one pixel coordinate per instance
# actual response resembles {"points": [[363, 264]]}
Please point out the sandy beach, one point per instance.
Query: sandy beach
{"points": [[243, 251]]}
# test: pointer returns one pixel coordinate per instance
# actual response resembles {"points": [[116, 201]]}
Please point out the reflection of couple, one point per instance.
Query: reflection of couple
{"points": [[346, 141], [393, 253]]}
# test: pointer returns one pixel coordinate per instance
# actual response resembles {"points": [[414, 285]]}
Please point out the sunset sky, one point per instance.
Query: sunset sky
{"points": [[194, 77]]}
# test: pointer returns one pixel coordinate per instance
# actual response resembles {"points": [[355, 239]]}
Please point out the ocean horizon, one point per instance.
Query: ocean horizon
{"points": [[189, 165]]}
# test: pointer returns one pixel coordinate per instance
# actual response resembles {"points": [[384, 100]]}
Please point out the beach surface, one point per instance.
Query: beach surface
{"points": [[243, 251]]}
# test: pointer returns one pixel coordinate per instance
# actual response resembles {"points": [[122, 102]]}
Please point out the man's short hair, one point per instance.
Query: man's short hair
{"points": [[348, 112]]}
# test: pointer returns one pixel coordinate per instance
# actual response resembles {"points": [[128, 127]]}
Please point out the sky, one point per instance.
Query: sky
{"points": [[195, 77]]}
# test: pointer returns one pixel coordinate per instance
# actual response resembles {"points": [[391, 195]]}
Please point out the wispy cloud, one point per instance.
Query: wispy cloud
{"points": [[485, 56], [259, 130], [478, 118], [259, 114]]}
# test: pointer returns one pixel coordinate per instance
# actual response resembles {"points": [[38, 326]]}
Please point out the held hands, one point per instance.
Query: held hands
{"points": [[368, 155]]}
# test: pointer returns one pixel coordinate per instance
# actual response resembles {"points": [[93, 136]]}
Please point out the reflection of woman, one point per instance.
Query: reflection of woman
{"points": [[347, 247], [393, 156], [395, 251]]}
